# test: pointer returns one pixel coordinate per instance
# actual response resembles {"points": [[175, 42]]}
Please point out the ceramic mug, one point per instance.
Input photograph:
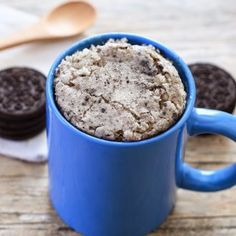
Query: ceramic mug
{"points": [[109, 188]]}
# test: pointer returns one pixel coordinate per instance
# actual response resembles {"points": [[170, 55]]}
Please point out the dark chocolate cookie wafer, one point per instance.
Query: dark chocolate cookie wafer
{"points": [[21, 134], [216, 88], [22, 93], [13, 125], [22, 102]]}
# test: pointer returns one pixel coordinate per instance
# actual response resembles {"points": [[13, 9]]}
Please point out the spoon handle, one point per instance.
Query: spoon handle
{"points": [[33, 33]]}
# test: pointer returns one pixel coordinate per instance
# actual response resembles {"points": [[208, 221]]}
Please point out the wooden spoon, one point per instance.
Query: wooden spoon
{"points": [[66, 20]]}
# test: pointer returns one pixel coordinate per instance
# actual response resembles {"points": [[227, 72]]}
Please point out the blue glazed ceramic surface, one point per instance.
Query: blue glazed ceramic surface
{"points": [[108, 188]]}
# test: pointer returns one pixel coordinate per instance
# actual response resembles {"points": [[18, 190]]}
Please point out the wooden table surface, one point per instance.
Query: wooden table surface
{"points": [[198, 31]]}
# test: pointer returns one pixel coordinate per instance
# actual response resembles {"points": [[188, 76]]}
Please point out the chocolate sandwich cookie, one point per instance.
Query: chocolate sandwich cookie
{"points": [[20, 134], [216, 88], [22, 102], [22, 93], [13, 125]]}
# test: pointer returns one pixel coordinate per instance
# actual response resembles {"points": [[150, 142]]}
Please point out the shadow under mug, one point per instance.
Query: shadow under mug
{"points": [[109, 188]]}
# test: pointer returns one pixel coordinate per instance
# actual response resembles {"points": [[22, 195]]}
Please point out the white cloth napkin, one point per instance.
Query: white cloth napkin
{"points": [[37, 55]]}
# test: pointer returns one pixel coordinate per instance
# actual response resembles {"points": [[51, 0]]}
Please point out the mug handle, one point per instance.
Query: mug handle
{"points": [[206, 121]]}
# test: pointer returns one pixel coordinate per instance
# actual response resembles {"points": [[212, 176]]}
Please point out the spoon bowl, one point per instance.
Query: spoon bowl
{"points": [[70, 18]]}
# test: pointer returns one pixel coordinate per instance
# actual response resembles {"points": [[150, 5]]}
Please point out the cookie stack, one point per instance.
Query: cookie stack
{"points": [[22, 103]]}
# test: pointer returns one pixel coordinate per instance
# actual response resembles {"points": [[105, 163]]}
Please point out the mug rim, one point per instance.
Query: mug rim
{"points": [[179, 64]]}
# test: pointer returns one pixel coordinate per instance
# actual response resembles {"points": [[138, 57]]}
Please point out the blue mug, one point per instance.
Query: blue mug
{"points": [[109, 188]]}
